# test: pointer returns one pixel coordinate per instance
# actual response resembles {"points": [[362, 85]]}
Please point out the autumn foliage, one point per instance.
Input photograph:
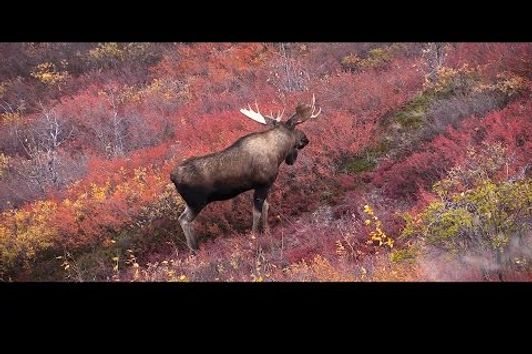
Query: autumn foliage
{"points": [[90, 132]]}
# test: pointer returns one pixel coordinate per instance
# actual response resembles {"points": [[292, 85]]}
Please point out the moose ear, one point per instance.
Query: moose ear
{"points": [[292, 121]]}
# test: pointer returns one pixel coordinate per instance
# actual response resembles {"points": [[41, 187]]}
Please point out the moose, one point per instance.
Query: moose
{"points": [[251, 162]]}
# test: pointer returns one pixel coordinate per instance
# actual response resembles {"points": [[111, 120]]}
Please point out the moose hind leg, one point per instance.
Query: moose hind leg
{"points": [[264, 217], [259, 202], [185, 219]]}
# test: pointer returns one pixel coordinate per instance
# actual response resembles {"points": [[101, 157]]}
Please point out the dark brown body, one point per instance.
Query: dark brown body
{"points": [[251, 162]]}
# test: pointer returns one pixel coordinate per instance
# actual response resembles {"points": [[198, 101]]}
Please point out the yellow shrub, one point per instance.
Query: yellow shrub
{"points": [[47, 73], [114, 53], [449, 79], [377, 57], [509, 83], [23, 234], [107, 50], [377, 234], [99, 193], [319, 269], [10, 117], [386, 270], [4, 161], [167, 89], [465, 78], [3, 89]]}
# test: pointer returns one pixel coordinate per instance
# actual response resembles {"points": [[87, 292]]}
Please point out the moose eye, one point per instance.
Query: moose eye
{"points": [[302, 143]]}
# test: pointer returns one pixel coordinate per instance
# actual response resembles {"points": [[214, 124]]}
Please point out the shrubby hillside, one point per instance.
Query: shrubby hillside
{"points": [[419, 167]]}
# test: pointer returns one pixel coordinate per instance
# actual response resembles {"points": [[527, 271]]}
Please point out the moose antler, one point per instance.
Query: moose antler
{"points": [[278, 117], [306, 112], [259, 117], [314, 115]]}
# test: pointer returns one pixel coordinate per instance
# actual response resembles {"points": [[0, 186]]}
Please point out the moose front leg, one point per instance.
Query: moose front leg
{"points": [[260, 209], [185, 220]]}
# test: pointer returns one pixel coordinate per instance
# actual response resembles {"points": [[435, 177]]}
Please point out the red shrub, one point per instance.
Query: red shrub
{"points": [[492, 58], [510, 126]]}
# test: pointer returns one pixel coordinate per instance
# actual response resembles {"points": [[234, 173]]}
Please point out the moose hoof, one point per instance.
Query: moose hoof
{"points": [[193, 247]]}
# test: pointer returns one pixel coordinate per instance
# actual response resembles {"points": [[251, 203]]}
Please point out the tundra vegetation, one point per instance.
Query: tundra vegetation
{"points": [[418, 167]]}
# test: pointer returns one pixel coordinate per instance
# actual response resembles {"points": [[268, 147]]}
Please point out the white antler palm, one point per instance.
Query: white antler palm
{"points": [[259, 117]]}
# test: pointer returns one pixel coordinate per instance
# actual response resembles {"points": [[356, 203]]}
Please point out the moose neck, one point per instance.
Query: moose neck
{"points": [[281, 139]]}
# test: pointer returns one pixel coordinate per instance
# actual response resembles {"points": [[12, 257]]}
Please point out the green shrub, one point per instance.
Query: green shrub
{"points": [[360, 163], [376, 58], [407, 254], [113, 54], [477, 215]]}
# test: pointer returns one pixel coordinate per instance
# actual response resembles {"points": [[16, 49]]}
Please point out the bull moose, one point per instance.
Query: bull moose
{"points": [[251, 162]]}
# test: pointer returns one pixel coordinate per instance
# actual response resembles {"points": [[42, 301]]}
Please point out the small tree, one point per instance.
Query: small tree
{"points": [[41, 141], [288, 72], [434, 54], [110, 126]]}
